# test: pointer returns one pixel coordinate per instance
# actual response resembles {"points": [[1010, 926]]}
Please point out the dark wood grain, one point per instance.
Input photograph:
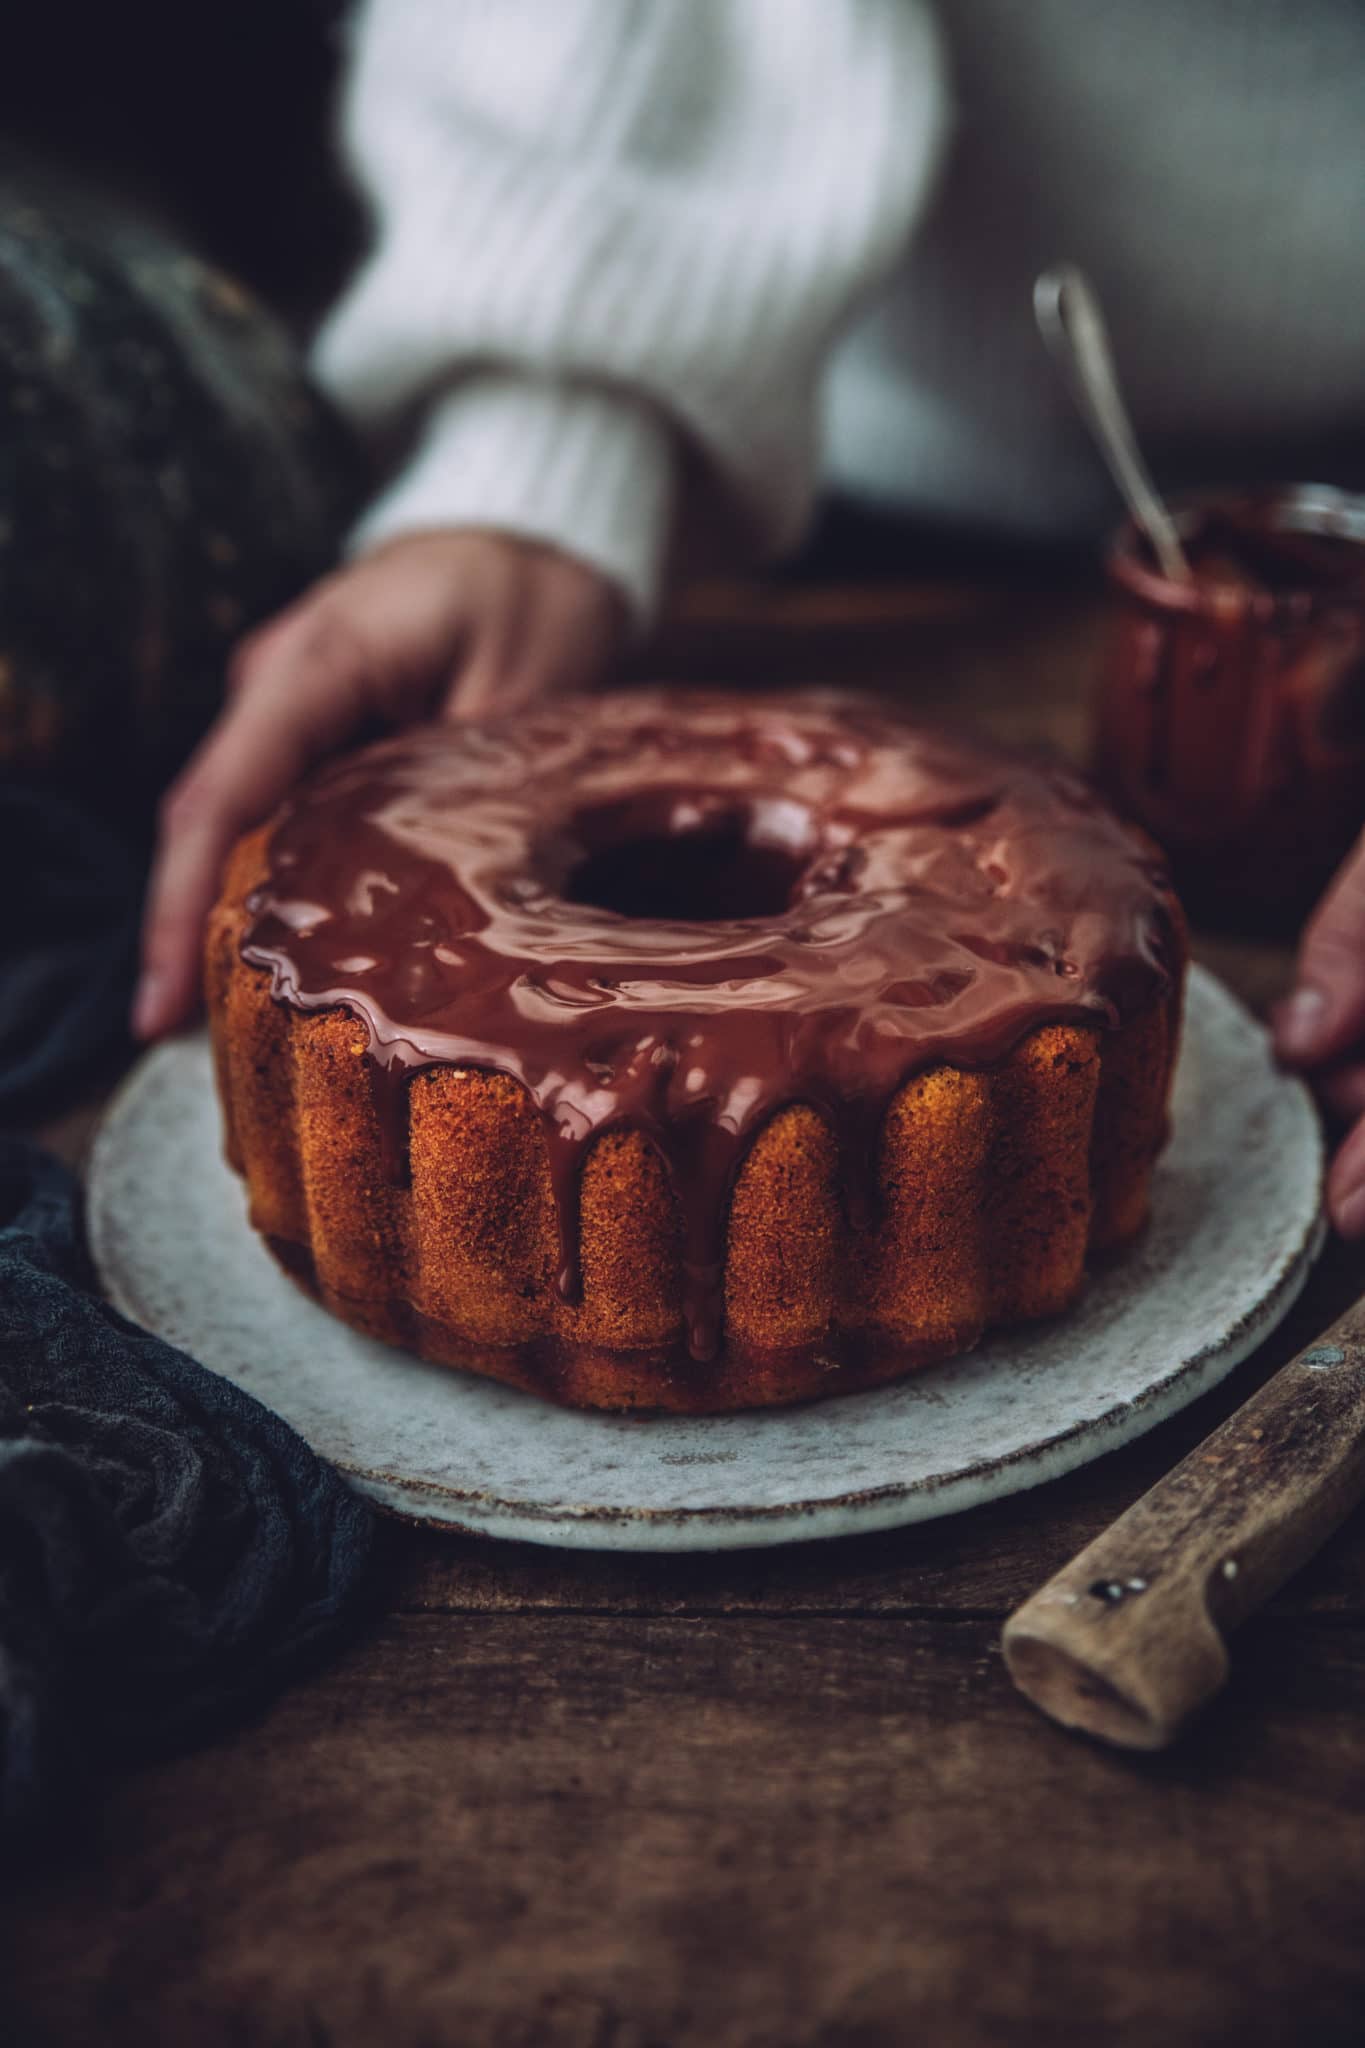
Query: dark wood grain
{"points": [[770, 1799], [731, 1829]]}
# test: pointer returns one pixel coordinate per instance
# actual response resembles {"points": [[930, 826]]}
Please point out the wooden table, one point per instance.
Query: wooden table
{"points": [[771, 1799]]}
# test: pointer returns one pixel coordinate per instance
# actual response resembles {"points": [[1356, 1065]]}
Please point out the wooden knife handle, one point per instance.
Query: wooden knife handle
{"points": [[1128, 1640]]}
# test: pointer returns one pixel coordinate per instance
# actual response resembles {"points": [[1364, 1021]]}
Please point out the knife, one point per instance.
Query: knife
{"points": [[1129, 1639]]}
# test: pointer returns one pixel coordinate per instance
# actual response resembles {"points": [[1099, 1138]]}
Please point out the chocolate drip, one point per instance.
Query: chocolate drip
{"points": [[939, 900]]}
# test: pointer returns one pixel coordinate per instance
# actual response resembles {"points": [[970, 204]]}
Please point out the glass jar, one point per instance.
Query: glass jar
{"points": [[1231, 721]]}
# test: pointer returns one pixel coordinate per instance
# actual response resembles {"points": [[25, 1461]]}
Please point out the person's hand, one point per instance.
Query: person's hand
{"points": [[1320, 1028], [452, 625]]}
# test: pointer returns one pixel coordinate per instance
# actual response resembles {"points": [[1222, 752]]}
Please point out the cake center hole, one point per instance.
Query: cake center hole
{"points": [[715, 871]]}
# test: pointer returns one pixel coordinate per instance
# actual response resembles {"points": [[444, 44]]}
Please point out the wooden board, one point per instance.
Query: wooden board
{"points": [[732, 1828]]}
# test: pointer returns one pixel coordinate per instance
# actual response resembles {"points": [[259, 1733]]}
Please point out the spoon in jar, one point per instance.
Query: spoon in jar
{"points": [[1071, 323]]}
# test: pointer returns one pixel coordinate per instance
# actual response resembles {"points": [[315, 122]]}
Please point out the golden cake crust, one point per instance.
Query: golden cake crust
{"points": [[993, 1186]]}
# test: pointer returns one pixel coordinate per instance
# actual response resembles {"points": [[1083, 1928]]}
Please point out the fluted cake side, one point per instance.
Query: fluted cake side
{"points": [[992, 1187]]}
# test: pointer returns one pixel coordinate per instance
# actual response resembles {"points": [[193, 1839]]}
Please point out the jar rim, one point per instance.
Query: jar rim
{"points": [[1323, 510]]}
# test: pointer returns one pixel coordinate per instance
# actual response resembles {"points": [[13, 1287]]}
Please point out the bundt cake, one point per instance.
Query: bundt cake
{"points": [[693, 1052]]}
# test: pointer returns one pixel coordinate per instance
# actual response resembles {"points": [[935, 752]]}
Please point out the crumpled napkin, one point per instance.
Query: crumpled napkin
{"points": [[171, 1553]]}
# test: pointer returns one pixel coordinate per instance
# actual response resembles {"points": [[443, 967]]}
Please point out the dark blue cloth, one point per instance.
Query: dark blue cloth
{"points": [[68, 949], [170, 1551]]}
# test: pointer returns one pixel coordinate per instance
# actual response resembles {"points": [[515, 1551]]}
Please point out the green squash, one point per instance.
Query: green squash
{"points": [[168, 478]]}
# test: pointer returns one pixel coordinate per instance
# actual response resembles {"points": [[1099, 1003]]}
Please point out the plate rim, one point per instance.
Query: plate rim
{"points": [[594, 1526]]}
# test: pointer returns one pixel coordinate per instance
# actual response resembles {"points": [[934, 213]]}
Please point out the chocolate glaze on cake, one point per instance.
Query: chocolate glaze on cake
{"points": [[684, 913]]}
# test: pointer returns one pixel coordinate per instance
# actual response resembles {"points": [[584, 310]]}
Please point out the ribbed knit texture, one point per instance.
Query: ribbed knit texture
{"points": [[553, 460], [614, 234], [674, 199]]}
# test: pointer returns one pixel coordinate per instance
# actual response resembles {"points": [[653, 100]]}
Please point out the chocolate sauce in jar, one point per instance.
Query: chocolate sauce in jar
{"points": [[683, 913], [1232, 713]]}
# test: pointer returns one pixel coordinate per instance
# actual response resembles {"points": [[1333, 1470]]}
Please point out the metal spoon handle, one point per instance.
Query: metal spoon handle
{"points": [[1072, 325]]}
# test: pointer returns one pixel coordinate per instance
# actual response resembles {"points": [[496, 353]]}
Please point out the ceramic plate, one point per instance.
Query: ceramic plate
{"points": [[1235, 1228]]}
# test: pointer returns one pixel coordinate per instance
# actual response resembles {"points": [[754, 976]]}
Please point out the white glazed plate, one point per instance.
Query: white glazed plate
{"points": [[1236, 1227]]}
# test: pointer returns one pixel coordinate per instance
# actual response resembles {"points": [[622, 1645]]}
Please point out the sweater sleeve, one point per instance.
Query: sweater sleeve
{"points": [[613, 243]]}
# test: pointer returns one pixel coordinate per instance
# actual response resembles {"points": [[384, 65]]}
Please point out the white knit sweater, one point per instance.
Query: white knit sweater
{"points": [[645, 270]]}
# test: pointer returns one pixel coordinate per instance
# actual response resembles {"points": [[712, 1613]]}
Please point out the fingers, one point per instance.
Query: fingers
{"points": [[490, 687], [560, 631], [1323, 1019], [1346, 1185], [300, 688], [1325, 1014], [1341, 1091], [474, 623]]}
